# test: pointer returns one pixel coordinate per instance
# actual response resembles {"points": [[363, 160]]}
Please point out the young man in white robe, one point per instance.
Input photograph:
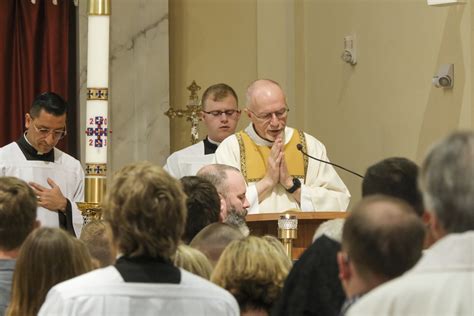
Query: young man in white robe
{"points": [[56, 178], [278, 175], [146, 210], [220, 115]]}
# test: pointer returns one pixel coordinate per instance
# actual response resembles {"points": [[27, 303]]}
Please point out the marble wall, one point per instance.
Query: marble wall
{"points": [[139, 81]]}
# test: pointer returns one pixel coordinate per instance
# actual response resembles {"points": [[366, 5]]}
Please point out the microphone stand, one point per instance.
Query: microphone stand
{"points": [[300, 148]]}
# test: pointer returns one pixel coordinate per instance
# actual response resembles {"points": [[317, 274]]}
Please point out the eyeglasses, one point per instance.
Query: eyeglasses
{"points": [[219, 113], [268, 116], [44, 132]]}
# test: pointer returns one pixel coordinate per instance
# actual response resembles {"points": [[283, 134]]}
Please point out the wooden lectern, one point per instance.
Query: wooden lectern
{"points": [[267, 224]]}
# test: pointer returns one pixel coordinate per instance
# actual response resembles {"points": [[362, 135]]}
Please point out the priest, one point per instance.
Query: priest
{"points": [[278, 175], [220, 115], [56, 178]]}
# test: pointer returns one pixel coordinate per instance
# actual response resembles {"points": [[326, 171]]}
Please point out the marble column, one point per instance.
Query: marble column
{"points": [[139, 81]]}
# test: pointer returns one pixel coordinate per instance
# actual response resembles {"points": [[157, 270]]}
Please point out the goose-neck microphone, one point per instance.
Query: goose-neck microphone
{"points": [[300, 148]]}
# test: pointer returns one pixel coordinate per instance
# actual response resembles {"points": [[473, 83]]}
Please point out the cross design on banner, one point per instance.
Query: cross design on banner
{"points": [[99, 132]]}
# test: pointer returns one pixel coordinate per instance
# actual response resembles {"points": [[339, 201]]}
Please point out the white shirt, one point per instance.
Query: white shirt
{"points": [[188, 161], [104, 292], [66, 171], [441, 283], [323, 189]]}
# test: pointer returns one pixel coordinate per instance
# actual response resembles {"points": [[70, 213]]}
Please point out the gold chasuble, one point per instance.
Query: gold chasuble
{"points": [[254, 158]]}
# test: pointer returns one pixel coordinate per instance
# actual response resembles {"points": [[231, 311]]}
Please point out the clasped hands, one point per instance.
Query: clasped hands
{"points": [[277, 170], [49, 198]]}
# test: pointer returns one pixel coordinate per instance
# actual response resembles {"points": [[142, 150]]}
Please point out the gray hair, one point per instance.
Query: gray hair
{"points": [[217, 175], [447, 182]]}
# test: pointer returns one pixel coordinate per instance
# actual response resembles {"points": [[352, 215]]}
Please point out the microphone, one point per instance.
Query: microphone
{"points": [[300, 148]]}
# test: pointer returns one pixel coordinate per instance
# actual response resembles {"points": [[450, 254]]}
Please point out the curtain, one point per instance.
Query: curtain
{"points": [[37, 54]]}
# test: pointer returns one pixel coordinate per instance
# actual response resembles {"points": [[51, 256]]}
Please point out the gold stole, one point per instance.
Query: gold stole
{"points": [[254, 158]]}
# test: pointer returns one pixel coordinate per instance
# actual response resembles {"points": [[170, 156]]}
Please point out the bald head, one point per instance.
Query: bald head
{"points": [[267, 108], [213, 239], [383, 236]]}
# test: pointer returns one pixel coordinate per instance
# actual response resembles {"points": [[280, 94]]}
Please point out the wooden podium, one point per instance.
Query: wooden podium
{"points": [[267, 224]]}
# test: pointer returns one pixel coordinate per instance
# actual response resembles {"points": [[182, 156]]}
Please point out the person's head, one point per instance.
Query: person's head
{"points": [[447, 186], [395, 177], [331, 228], [253, 271], [203, 204], [17, 213], [97, 236], [48, 256], [220, 111], [146, 209], [46, 122], [276, 243], [231, 186], [213, 239], [267, 108], [193, 260], [382, 238]]}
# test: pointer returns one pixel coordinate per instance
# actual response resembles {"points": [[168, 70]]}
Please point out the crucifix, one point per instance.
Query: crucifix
{"points": [[191, 113]]}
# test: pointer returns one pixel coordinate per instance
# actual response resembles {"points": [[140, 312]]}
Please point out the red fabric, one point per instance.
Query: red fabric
{"points": [[37, 54]]}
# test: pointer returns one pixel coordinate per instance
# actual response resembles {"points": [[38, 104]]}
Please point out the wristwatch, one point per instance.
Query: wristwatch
{"points": [[296, 185]]}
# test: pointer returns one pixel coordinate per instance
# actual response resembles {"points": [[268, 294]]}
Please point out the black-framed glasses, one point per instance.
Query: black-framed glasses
{"points": [[268, 116], [44, 132], [218, 113]]}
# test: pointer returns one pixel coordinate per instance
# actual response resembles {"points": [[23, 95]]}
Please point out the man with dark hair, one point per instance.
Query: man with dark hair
{"points": [[17, 220], [397, 177], [231, 186], [146, 209], [203, 205], [56, 178], [213, 239], [220, 115], [381, 239], [441, 283]]}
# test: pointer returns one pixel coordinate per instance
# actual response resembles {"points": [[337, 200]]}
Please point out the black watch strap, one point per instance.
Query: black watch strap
{"points": [[296, 185]]}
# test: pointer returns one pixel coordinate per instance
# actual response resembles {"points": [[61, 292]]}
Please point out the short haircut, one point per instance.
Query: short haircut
{"points": [[383, 236], [98, 240], [218, 92], [447, 184], [50, 102], [17, 212], [252, 270], [193, 260], [213, 239], [48, 256], [146, 209], [203, 204], [217, 175], [395, 177]]}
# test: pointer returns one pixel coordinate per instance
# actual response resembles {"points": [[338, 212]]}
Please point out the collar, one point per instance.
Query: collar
{"points": [[210, 146], [31, 153], [250, 130]]}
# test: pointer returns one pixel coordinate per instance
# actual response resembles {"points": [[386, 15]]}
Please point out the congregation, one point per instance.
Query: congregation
{"points": [[175, 241]]}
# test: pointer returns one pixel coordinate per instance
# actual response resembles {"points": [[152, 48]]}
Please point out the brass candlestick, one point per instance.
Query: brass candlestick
{"points": [[288, 231]]}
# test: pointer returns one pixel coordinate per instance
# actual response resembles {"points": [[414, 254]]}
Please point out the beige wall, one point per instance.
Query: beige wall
{"points": [[384, 106], [211, 41]]}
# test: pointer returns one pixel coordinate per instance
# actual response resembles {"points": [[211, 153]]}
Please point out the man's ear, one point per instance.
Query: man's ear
{"points": [[223, 212], [343, 265], [436, 227], [27, 120]]}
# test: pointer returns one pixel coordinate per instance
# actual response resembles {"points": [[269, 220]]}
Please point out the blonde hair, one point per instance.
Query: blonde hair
{"points": [[48, 256], [146, 209], [252, 269], [276, 243], [193, 260], [97, 236]]}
